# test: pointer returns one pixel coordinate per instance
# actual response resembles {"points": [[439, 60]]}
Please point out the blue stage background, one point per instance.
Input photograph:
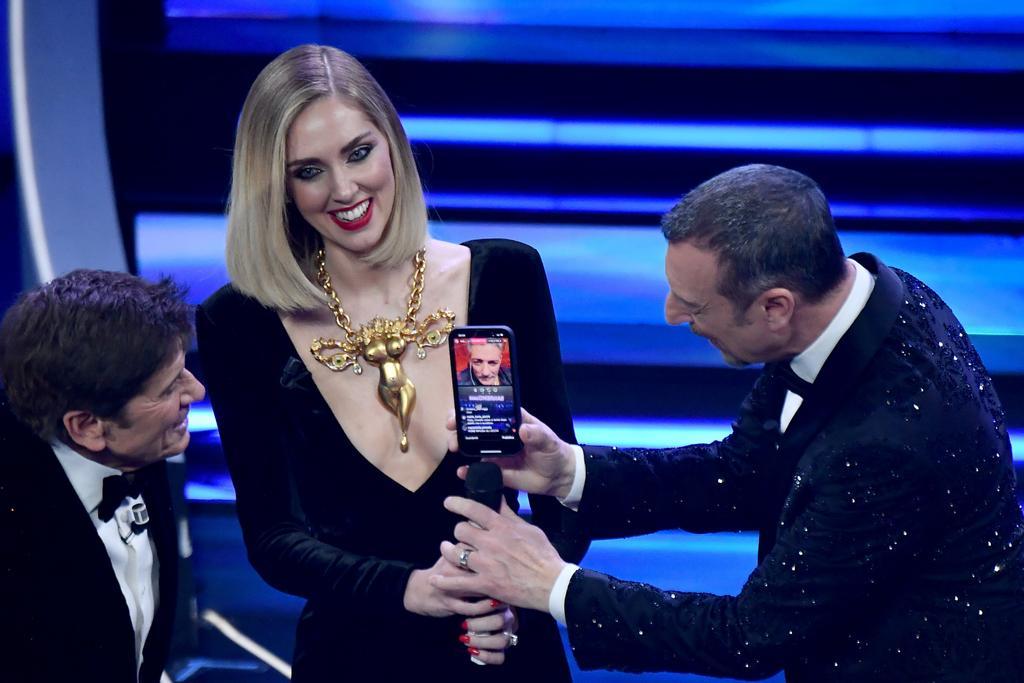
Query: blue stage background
{"points": [[572, 126]]}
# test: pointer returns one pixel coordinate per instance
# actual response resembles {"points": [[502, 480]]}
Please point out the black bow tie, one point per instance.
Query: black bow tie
{"points": [[793, 382], [117, 488]]}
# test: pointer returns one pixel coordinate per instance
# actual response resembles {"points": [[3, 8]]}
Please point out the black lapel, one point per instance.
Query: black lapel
{"points": [[842, 370], [65, 519], [165, 541], [65, 555]]}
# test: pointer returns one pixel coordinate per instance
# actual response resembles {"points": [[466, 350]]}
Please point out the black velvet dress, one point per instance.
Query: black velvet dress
{"points": [[321, 522]]}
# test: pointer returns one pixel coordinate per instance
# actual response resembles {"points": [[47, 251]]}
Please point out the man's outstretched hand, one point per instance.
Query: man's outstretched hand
{"points": [[546, 464]]}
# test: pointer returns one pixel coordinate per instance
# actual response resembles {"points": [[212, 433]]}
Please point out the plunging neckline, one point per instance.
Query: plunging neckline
{"points": [[300, 378]]}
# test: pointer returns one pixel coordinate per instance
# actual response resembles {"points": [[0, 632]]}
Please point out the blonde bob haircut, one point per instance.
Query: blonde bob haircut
{"points": [[270, 248]]}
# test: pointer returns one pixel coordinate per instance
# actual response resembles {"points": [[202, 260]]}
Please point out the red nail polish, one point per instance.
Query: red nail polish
{"points": [[473, 651], [494, 603], [465, 626], [464, 638]]}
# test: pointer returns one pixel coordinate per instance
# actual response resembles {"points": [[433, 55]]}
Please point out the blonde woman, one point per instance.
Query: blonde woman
{"points": [[325, 363]]}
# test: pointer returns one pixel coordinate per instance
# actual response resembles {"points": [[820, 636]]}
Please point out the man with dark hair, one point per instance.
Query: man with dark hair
{"points": [[97, 396], [871, 455]]}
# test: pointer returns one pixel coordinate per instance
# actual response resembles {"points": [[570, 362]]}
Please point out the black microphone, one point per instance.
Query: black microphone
{"points": [[483, 484]]}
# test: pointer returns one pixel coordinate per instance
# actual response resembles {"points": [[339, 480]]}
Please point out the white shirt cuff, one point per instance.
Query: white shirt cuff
{"points": [[579, 478], [556, 599]]}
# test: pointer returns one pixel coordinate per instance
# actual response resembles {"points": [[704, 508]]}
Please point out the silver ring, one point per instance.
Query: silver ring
{"points": [[464, 557], [513, 640]]}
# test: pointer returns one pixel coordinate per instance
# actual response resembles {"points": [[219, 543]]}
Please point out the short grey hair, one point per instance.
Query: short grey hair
{"points": [[768, 226]]}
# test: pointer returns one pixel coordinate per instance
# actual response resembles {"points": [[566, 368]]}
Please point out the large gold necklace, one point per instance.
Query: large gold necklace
{"points": [[382, 341]]}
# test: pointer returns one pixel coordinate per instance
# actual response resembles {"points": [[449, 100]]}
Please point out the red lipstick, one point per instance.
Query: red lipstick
{"points": [[351, 226]]}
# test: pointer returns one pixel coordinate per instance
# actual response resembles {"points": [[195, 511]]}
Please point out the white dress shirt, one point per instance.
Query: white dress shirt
{"points": [[132, 556], [806, 365]]}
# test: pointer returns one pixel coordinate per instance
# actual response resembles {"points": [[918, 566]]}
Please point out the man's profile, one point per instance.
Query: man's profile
{"points": [[96, 397], [871, 456]]}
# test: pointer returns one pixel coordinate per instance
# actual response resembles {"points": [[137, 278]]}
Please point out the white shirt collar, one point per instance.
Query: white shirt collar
{"points": [[86, 476], [808, 363]]}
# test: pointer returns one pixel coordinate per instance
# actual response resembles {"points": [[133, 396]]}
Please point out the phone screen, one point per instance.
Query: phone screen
{"points": [[484, 381]]}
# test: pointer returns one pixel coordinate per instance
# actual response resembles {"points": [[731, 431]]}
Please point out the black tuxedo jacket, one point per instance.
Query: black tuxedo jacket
{"points": [[890, 534], [64, 617]]}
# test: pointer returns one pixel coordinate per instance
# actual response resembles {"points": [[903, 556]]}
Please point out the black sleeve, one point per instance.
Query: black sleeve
{"points": [[699, 488], [244, 388], [510, 287], [830, 566]]}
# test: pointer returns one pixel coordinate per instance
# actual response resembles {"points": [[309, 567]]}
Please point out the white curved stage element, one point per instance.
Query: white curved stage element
{"points": [[69, 217]]}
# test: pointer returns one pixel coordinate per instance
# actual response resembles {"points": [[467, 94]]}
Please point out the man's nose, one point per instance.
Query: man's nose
{"points": [[675, 314], [195, 391]]}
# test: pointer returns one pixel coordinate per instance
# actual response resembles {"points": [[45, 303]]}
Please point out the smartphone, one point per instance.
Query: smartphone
{"points": [[485, 383]]}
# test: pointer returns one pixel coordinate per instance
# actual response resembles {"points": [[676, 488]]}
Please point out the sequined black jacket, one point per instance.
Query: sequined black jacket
{"points": [[890, 533]]}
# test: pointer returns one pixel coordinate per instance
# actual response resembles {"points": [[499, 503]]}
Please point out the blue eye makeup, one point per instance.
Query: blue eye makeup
{"points": [[306, 173], [360, 153]]}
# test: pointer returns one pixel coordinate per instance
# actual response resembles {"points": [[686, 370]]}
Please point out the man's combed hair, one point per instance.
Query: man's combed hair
{"points": [[270, 248], [768, 226], [88, 340]]}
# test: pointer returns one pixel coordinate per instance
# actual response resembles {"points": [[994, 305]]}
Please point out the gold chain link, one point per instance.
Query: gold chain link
{"points": [[420, 264], [323, 278], [430, 333]]}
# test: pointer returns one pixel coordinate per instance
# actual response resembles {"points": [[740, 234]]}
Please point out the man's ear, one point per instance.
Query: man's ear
{"points": [[86, 430], [777, 305]]}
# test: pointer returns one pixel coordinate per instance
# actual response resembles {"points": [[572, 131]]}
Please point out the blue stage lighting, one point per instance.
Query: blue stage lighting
{"points": [[791, 137], [659, 205], [978, 274], [615, 432], [905, 16]]}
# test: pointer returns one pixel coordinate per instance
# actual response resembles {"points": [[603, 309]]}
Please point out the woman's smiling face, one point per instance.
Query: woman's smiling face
{"points": [[339, 174]]}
